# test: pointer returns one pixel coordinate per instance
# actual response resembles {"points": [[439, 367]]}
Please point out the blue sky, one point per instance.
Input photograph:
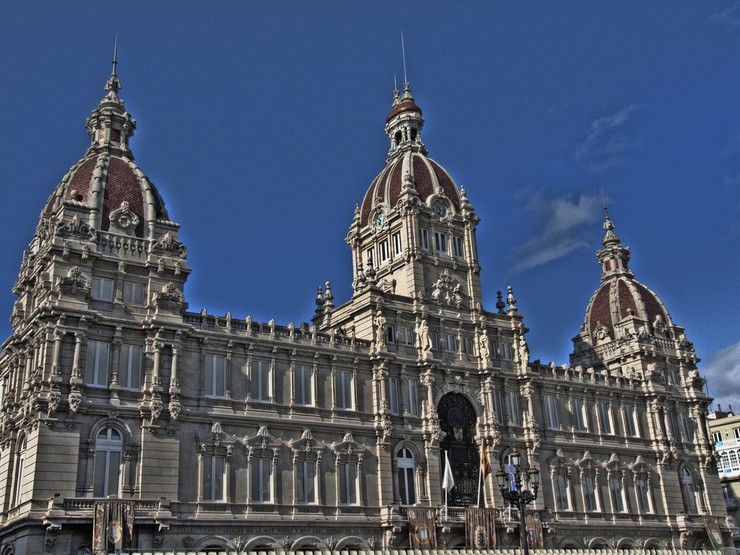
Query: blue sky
{"points": [[261, 123]]}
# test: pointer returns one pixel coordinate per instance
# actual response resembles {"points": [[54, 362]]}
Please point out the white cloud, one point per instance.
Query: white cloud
{"points": [[606, 143], [722, 371], [565, 220], [730, 17]]}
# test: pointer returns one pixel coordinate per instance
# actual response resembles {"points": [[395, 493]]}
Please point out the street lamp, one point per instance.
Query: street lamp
{"points": [[516, 492]]}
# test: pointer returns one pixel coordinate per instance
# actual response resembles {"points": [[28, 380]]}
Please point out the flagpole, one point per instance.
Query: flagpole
{"points": [[480, 481]]}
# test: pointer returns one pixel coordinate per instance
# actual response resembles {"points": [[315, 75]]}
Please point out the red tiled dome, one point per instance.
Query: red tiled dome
{"points": [[427, 176], [403, 106], [121, 181]]}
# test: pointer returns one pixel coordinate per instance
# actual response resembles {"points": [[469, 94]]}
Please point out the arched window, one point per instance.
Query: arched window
{"points": [[20, 463], [406, 476], [108, 460], [688, 489]]}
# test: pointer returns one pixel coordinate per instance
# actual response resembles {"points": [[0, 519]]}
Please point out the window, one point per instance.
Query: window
{"points": [[434, 336], [347, 483], [615, 487], [129, 367], [467, 345], [397, 246], [384, 251], [717, 437], [393, 395], [440, 241], [20, 467], [551, 412], [306, 481], [630, 424], [605, 422], [407, 336], [108, 459], [102, 289], [134, 293], [215, 376], [390, 333], [96, 371], [513, 402], [261, 480], [343, 389], [736, 431], [589, 493], [642, 494], [673, 377], [457, 247], [498, 406], [261, 389], [688, 490], [579, 415], [413, 391], [406, 477], [507, 351], [561, 493], [450, 343], [424, 238], [302, 385], [371, 258], [685, 427], [214, 478]]}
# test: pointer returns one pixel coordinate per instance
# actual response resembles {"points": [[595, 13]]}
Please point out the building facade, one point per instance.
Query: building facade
{"points": [[202, 431], [725, 430]]}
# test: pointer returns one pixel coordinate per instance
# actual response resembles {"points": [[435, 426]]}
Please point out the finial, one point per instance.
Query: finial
{"points": [[113, 85], [403, 53], [500, 304], [511, 300]]}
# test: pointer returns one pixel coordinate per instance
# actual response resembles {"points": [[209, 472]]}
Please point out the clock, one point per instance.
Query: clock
{"points": [[440, 208], [380, 219]]}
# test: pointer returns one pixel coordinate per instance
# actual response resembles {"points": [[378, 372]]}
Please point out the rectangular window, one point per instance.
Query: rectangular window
{"points": [[457, 247], [513, 402], [261, 480], [371, 258], [413, 391], [215, 376], [214, 478], [630, 426], [736, 431], [96, 371], [303, 385], [397, 246], [551, 410], [261, 389], [407, 336], [673, 377], [347, 484], [394, 395], [641, 490], [589, 493], [343, 388], [605, 422], [306, 481], [717, 437], [507, 351], [685, 427], [406, 485], [384, 251], [102, 289], [450, 343], [129, 366], [134, 293], [467, 345], [617, 500], [561, 493], [498, 406], [440, 241], [424, 238], [434, 336], [579, 415], [390, 333]]}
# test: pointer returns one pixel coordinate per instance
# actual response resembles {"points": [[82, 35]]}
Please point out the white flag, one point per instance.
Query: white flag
{"points": [[448, 482]]}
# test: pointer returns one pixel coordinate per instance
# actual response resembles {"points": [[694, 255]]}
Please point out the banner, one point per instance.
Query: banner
{"points": [[480, 526], [113, 526], [713, 531], [422, 528], [533, 524]]}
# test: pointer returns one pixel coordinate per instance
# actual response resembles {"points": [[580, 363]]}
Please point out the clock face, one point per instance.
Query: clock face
{"points": [[380, 219], [440, 208]]}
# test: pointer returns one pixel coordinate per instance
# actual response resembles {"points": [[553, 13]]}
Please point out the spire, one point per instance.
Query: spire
{"points": [[614, 258], [109, 125]]}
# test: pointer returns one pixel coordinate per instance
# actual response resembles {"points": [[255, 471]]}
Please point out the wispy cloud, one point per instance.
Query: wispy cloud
{"points": [[722, 371], [730, 17], [606, 143], [565, 220]]}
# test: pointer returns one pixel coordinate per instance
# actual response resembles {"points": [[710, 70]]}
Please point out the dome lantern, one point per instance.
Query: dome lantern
{"points": [[403, 124]]}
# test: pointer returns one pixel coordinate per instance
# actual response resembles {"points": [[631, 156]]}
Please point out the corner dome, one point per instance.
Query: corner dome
{"points": [[123, 186], [426, 175]]}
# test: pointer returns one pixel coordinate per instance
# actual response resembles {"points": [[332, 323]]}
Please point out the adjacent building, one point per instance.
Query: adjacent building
{"points": [[725, 430], [126, 418]]}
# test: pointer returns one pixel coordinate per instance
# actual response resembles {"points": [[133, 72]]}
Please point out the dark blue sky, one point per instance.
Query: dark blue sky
{"points": [[261, 123]]}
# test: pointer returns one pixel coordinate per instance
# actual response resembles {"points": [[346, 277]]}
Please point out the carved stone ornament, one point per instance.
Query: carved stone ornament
{"points": [[123, 220], [74, 399], [174, 408], [447, 292], [75, 282], [169, 296]]}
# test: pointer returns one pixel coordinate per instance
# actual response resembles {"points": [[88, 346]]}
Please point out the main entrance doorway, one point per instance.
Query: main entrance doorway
{"points": [[457, 419]]}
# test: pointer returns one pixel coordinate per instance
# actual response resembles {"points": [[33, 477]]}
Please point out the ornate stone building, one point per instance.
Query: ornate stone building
{"points": [[215, 431]]}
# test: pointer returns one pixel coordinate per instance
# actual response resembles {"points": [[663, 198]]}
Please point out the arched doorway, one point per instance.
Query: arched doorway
{"points": [[457, 419]]}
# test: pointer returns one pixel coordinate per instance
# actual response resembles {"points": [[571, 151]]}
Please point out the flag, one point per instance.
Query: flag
{"points": [[448, 482], [512, 478], [422, 528], [485, 464]]}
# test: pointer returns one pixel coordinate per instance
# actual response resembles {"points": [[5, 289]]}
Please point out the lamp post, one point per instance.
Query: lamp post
{"points": [[515, 489]]}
